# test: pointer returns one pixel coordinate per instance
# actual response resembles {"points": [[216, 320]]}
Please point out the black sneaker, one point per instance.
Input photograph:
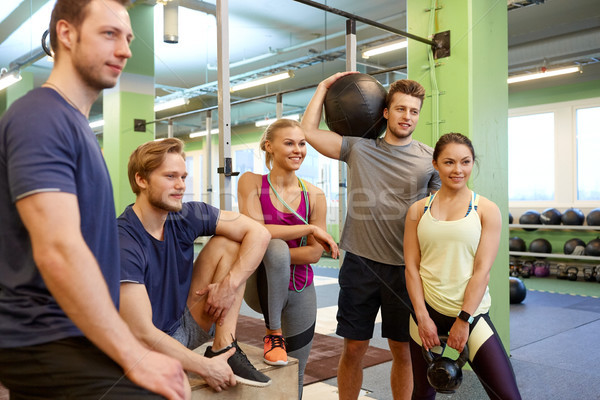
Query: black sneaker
{"points": [[242, 368]]}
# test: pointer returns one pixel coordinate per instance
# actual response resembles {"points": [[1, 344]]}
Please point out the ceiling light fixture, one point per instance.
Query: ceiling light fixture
{"points": [[544, 73], [263, 81], [7, 79], [385, 48], [97, 124], [171, 22], [268, 121], [203, 133], [170, 104]]}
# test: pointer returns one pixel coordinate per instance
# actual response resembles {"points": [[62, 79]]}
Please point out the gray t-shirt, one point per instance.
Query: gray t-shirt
{"points": [[384, 180]]}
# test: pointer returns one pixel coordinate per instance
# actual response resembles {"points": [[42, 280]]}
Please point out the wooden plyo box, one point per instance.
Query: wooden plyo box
{"points": [[284, 385]]}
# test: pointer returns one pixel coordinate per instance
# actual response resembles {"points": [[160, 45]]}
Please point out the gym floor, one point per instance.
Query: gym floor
{"points": [[554, 341]]}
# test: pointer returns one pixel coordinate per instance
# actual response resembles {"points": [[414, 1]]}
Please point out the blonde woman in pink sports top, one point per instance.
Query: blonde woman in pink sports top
{"points": [[294, 212]]}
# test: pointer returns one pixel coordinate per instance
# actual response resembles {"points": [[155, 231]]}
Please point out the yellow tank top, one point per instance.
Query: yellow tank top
{"points": [[447, 253]]}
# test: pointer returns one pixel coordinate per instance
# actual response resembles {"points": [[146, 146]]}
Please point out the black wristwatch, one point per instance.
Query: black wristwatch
{"points": [[465, 316]]}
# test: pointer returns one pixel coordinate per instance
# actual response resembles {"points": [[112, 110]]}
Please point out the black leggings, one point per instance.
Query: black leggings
{"points": [[489, 361]]}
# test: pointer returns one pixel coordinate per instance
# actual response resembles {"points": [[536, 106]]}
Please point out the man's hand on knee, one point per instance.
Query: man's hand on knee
{"points": [[219, 298]]}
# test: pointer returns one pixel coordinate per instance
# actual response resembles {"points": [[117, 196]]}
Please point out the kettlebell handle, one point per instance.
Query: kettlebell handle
{"points": [[460, 361]]}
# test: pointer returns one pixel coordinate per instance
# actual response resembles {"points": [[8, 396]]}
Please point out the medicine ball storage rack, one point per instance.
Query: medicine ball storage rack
{"points": [[585, 263]]}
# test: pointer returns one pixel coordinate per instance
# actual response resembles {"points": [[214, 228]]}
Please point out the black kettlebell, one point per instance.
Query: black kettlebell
{"points": [[561, 271], [445, 374], [589, 274], [514, 269], [527, 269], [572, 272]]}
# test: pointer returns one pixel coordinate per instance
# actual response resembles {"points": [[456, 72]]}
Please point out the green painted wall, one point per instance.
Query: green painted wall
{"points": [[488, 67], [473, 100], [557, 238], [132, 99], [120, 139], [196, 145], [251, 136], [239, 135], [20, 88], [555, 94], [142, 47], [13, 92]]}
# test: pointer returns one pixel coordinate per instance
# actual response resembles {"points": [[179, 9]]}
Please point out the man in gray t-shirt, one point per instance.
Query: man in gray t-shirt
{"points": [[386, 176]]}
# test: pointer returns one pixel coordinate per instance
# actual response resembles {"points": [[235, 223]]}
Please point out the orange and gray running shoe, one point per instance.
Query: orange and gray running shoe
{"points": [[274, 350]]}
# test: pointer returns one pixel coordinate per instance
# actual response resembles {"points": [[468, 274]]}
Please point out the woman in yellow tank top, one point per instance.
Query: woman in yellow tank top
{"points": [[450, 242]]}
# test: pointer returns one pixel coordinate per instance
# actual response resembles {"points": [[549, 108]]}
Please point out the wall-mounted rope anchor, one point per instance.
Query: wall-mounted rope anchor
{"points": [[139, 125], [442, 40]]}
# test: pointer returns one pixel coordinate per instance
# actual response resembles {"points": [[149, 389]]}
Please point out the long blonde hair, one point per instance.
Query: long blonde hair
{"points": [[269, 135]]}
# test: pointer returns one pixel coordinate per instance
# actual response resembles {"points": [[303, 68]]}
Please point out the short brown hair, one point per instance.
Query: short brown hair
{"points": [[406, 86], [148, 157], [269, 135], [74, 12]]}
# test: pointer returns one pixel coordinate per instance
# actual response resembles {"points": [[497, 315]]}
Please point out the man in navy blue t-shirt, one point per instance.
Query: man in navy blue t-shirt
{"points": [[169, 300], [60, 333]]}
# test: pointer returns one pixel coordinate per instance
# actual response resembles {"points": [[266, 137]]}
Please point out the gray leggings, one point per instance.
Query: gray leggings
{"points": [[294, 312]]}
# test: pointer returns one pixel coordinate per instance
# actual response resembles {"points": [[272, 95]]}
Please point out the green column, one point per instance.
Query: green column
{"points": [[473, 100], [132, 98]]}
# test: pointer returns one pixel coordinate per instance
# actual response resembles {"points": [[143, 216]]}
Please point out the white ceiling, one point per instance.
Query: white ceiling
{"points": [[264, 34]]}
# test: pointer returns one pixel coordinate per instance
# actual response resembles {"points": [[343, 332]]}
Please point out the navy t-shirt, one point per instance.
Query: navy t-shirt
{"points": [[46, 145], [165, 266]]}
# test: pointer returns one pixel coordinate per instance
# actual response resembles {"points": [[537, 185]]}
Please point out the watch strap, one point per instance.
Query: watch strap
{"points": [[465, 316]]}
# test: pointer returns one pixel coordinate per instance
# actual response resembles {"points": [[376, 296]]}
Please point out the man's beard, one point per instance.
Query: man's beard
{"points": [[158, 202]]}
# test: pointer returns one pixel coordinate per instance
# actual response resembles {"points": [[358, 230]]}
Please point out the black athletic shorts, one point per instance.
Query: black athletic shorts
{"points": [[365, 287], [70, 368]]}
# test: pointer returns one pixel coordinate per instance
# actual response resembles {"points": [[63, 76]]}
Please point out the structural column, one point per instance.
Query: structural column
{"points": [[468, 93], [132, 98]]}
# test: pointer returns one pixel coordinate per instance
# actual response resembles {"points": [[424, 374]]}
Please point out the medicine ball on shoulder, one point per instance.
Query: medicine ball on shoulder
{"points": [[574, 246], [573, 216], [515, 243], [354, 106], [593, 248], [593, 217], [550, 216], [540, 245], [530, 217]]}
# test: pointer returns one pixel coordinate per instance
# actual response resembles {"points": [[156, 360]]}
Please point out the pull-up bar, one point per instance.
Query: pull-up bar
{"points": [[140, 124], [439, 42]]}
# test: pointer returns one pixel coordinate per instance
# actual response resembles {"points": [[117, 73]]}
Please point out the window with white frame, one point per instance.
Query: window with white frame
{"points": [[552, 154], [189, 181], [246, 157], [309, 170], [243, 161], [193, 182], [531, 157], [588, 144]]}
